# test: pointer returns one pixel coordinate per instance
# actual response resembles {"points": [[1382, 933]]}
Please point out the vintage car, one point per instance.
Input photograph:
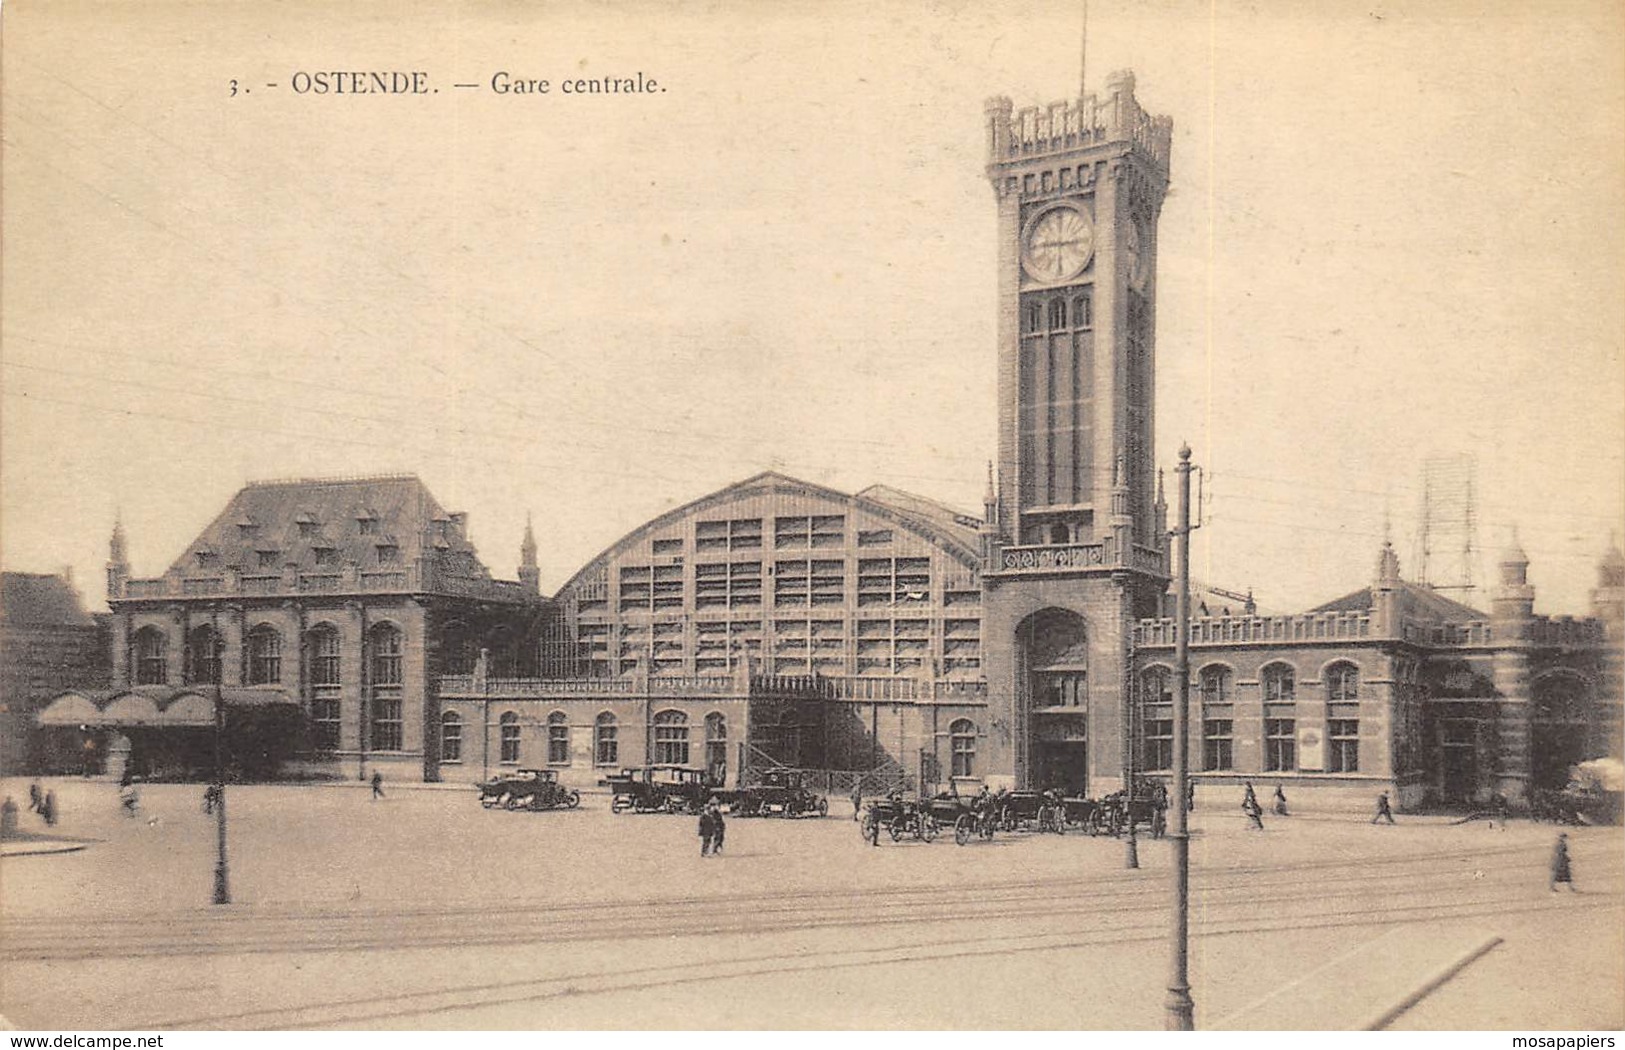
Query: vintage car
{"points": [[533, 789], [658, 789], [778, 792], [899, 817], [1031, 810]]}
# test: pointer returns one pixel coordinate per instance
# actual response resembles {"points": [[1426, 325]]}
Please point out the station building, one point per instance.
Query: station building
{"points": [[881, 635], [316, 617]]}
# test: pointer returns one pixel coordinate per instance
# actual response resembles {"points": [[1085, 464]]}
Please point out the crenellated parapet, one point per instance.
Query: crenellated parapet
{"points": [[1061, 127]]}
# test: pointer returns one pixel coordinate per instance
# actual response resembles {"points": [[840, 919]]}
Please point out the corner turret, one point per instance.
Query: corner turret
{"points": [[1514, 599], [118, 560], [530, 577]]}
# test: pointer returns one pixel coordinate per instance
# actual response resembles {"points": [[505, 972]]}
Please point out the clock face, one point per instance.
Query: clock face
{"points": [[1059, 244], [1139, 260]]}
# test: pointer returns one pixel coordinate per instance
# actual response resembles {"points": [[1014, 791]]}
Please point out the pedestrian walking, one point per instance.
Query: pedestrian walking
{"points": [[36, 797], [1384, 811], [719, 828], [129, 800], [1255, 812], [1498, 810], [708, 830], [1562, 871], [47, 809], [377, 784], [1280, 801], [857, 798], [1249, 799]]}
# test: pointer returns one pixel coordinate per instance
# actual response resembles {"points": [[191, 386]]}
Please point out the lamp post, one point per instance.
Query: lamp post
{"points": [[1181, 1009], [222, 880]]}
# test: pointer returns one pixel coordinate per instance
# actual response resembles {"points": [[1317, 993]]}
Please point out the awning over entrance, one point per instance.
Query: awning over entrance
{"points": [[153, 706]]}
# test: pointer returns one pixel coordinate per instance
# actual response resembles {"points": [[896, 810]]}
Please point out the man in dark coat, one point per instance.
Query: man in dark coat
{"points": [[1255, 812], [719, 828], [708, 830], [1249, 798], [36, 798], [377, 784], [857, 800], [47, 809], [1384, 812], [1561, 871]]}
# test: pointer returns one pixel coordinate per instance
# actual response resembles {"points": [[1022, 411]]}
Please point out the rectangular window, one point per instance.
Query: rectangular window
{"points": [[386, 723], [874, 537], [1280, 745], [510, 743], [326, 556], [451, 741], [389, 554], [325, 716], [1344, 754], [1217, 752], [609, 748], [267, 559], [671, 545], [671, 745], [558, 744]]}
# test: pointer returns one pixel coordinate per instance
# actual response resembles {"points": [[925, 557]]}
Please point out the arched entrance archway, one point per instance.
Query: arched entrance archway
{"points": [[1052, 681], [1560, 702]]}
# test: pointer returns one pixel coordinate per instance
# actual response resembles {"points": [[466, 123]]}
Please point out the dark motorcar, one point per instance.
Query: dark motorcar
{"points": [[658, 789], [781, 792], [533, 789]]}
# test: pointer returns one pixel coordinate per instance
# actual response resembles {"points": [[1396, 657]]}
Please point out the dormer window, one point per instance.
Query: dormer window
{"points": [[326, 556], [307, 524], [268, 559], [207, 559], [367, 522], [247, 528], [389, 554]]}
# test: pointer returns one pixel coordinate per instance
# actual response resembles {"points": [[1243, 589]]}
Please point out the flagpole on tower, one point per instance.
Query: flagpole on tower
{"points": [[1083, 54]]}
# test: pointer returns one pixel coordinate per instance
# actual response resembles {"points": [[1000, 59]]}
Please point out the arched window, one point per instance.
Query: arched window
{"points": [[671, 738], [1157, 718], [264, 655], [1057, 314], [151, 657], [558, 739], [1215, 685], [1083, 311], [962, 741], [1280, 684], [1342, 684], [1280, 719], [606, 742], [716, 746], [1218, 719], [205, 652], [324, 656], [386, 654], [451, 737], [508, 725]]}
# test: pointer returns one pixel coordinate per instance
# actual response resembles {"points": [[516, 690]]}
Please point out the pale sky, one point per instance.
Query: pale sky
{"points": [[1395, 230]]}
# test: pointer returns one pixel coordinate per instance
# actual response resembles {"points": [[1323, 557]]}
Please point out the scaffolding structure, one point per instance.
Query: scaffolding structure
{"points": [[1449, 523]]}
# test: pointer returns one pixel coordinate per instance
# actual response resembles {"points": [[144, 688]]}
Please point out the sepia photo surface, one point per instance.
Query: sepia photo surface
{"points": [[671, 516]]}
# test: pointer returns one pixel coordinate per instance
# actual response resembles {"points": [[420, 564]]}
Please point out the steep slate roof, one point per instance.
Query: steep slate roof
{"points": [[32, 599], [267, 516], [1414, 598]]}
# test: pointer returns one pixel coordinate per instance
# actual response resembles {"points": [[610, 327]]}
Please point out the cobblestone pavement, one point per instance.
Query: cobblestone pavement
{"points": [[423, 910]]}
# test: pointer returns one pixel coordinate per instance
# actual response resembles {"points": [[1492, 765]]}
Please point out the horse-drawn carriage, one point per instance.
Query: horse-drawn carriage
{"points": [[658, 789], [778, 792], [1031, 811], [532, 789]]}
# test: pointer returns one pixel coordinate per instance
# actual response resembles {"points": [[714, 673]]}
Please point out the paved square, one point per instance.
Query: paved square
{"points": [[423, 910]]}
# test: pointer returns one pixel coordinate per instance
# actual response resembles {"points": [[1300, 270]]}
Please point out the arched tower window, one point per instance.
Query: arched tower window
{"points": [[1057, 314]]}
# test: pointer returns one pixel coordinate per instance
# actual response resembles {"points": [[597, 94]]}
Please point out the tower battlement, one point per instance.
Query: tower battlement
{"points": [[1038, 131]]}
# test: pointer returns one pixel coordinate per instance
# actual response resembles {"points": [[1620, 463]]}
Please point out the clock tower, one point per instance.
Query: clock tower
{"points": [[1077, 550]]}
